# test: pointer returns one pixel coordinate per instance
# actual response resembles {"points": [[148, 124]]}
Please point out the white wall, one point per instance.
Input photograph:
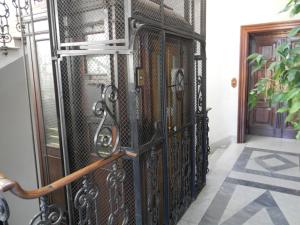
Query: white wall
{"points": [[16, 145], [224, 19]]}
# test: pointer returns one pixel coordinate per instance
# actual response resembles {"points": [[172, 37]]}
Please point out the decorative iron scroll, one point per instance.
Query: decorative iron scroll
{"points": [[115, 183], [186, 168], [20, 9], [106, 139], [179, 83], [5, 36], [207, 142], [86, 203], [49, 214], [175, 182], [4, 211], [153, 197]]}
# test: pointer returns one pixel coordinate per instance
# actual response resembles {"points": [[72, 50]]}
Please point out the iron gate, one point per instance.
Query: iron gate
{"points": [[130, 76]]}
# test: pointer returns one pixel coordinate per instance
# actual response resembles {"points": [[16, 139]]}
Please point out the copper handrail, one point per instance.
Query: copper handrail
{"points": [[14, 187]]}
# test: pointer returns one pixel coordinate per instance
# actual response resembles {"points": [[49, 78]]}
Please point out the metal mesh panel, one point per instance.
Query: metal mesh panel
{"points": [[152, 185], [200, 16], [82, 80], [147, 8], [148, 77], [201, 120], [180, 94], [175, 13], [82, 77], [129, 190], [94, 190], [91, 20]]}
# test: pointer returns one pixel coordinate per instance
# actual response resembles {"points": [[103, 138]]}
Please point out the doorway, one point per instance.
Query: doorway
{"points": [[263, 120]]}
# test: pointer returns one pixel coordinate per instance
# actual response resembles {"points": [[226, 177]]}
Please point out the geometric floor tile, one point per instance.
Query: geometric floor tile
{"points": [[269, 163], [265, 201], [275, 162], [261, 189]]}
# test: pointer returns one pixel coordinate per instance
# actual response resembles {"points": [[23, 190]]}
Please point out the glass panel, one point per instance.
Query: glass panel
{"points": [[47, 93]]}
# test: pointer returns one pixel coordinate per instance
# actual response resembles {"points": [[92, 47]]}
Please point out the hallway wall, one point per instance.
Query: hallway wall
{"points": [[16, 144], [224, 19]]}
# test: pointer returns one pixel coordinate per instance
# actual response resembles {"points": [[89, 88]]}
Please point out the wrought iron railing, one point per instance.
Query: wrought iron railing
{"points": [[85, 200]]}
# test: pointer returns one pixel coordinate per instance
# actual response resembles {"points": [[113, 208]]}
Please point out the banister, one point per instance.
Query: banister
{"points": [[14, 187]]}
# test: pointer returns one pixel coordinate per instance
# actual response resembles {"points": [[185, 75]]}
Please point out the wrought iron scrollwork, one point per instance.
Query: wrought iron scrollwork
{"points": [[179, 83], [49, 214], [86, 202], [20, 9], [186, 168], [106, 141], [175, 178], [115, 183], [4, 211], [5, 36], [153, 198], [207, 142]]}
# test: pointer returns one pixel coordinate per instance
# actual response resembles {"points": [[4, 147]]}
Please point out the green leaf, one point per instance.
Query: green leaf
{"points": [[272, 66], [278, 97], [295, 107], [292, 74], [253, 56], [283, 110], [292, 94], [295, 10], [287, 7], [294, 31], [298, 136]]}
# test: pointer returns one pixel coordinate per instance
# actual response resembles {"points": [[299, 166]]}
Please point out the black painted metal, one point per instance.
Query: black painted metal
{"points": [[49, 214], [5, 36], [4, 211]]}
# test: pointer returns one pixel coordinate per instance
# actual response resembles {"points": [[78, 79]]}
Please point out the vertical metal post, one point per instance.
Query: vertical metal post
{"points": [[134, 138], [164, 116], [54, 37], [193, 110], [203, 17]]}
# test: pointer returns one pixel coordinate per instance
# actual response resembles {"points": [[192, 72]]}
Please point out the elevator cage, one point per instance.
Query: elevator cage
{"points": [[130, 75]]}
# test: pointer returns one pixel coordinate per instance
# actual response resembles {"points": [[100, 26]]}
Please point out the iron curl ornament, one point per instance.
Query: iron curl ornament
{"points": [[4, 211], [49, 214], [106, 141], [20, 9], [5, 36], [115, 183], [86, 202], [153, 198]]}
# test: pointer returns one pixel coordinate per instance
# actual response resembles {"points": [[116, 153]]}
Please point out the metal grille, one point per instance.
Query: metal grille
{"points": [[163, 122], [152, 185], [148, 77], [82, 79], [202, 145], [169, 12], [91, 21], [180, 120]]}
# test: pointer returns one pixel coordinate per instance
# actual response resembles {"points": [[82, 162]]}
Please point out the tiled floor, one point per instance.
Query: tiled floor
{"points": [[257, 183]]}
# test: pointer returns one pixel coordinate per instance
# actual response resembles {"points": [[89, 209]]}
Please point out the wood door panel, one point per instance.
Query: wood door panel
{"points": [[263, 116], [263, 119]]}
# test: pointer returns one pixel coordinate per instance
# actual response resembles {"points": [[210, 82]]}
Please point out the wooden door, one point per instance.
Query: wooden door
{"points": [[263, 119]]}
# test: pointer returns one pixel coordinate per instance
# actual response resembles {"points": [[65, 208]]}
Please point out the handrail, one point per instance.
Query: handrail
{"points": [[14, 187]]}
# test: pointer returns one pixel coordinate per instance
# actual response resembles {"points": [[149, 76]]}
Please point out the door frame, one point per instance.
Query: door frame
{"points": [[246, 31]]}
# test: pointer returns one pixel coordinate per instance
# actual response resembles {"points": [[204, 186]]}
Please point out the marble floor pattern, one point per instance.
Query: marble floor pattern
{"points": [[257, 183]]}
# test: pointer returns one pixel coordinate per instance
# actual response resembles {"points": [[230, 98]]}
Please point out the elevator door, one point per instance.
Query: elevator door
{"points": [[179, 124]]}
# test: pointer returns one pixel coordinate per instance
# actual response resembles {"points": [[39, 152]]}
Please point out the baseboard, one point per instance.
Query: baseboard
{"points": [[223, 143]]}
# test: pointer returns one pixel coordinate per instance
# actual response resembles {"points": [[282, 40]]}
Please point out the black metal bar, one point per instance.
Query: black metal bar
{"points": [[166, 206]]}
